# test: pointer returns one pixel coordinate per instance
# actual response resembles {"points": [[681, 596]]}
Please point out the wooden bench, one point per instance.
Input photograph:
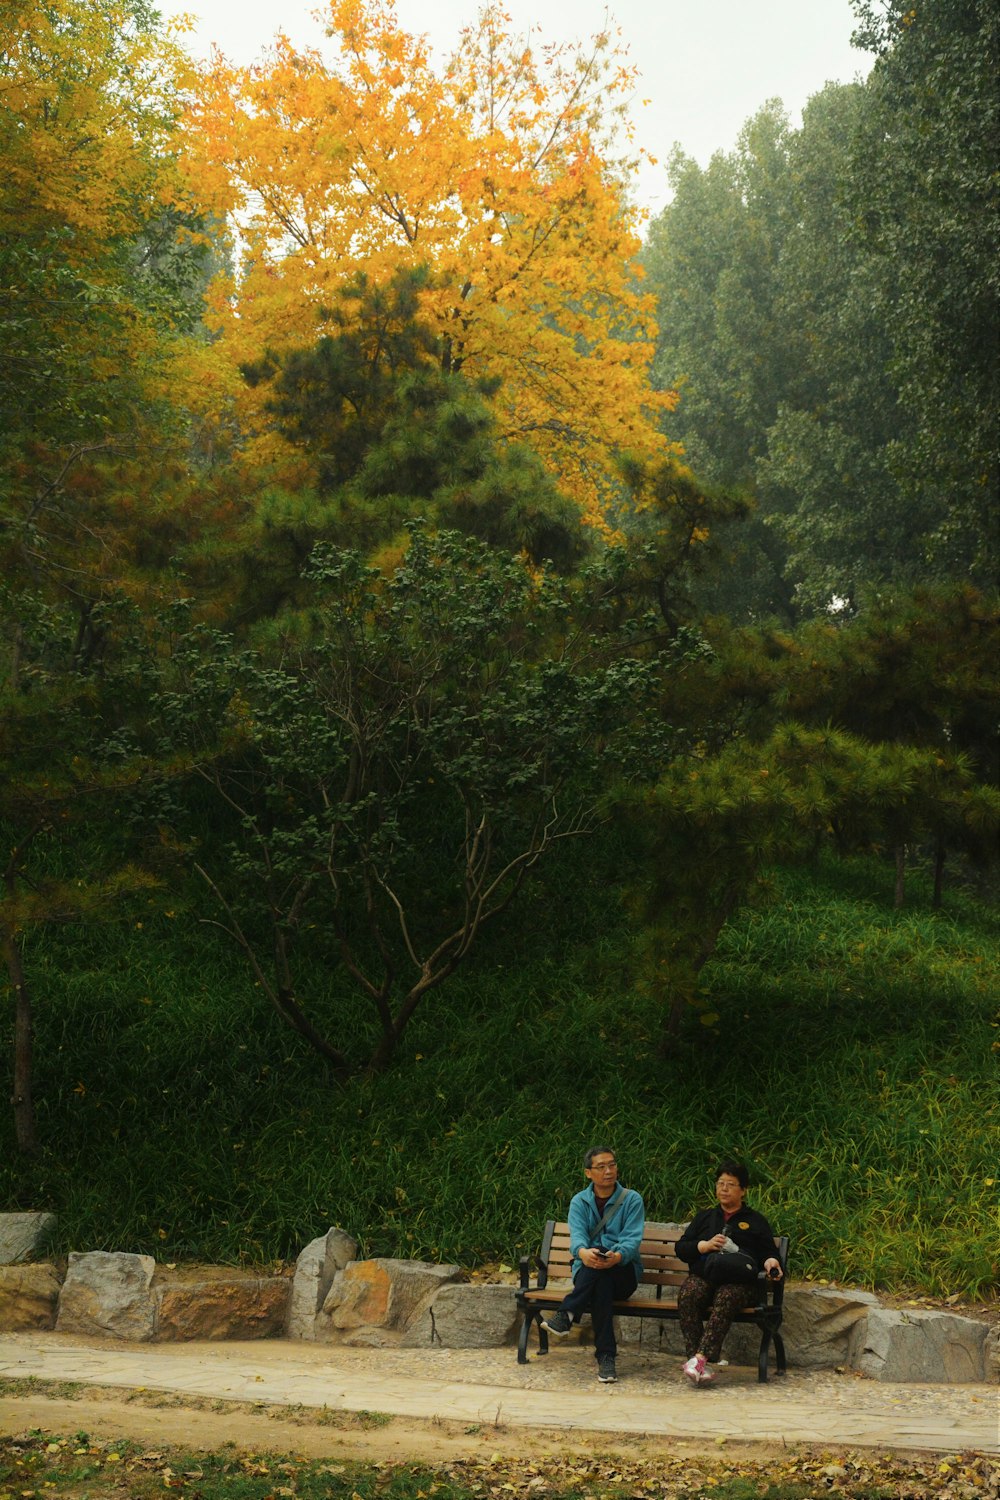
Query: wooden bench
{"points": [[661, 1270]]}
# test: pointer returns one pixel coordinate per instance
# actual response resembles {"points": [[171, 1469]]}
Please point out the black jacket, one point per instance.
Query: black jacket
{"points": [[747, 1227]]}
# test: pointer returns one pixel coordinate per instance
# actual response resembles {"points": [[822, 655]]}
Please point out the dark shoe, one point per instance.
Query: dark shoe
{"points": [[606, 1372], [558, 1323]]}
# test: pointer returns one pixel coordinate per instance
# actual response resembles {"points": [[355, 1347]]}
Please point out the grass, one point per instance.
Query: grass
{"points": [[45, 1466], [853, 1068]]}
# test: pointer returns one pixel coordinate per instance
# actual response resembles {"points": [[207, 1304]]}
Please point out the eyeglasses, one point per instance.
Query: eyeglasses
{"points": [[609, 1166]]}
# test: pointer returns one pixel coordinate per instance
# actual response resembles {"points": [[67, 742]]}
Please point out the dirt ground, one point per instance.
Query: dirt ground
{"points": [[155, 1419]]}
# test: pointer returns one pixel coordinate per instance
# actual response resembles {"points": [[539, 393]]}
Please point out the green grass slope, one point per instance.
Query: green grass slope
{"points": [[853, 1067]]}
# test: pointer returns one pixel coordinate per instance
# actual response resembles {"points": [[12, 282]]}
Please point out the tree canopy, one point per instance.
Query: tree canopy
{"points": [[828, 303], [497, 173]]}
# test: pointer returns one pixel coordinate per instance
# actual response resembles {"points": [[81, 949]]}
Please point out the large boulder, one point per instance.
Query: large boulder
{"points": [[372, 1302], [315, 1269], [29, 1297], [461, 1316], [211, 1302], [22, 1236], [108, 1293], [819, 1324], [927, 1346]]}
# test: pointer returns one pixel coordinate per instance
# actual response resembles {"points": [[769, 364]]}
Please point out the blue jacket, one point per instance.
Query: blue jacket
{"points": [[622, 1232]]}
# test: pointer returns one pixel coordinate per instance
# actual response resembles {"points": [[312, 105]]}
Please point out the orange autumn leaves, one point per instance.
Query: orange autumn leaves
{"points": [[496, 171]]}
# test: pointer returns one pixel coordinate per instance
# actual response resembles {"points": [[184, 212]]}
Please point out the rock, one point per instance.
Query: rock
{"points": [[215, 1303], [460, 1316], [29, 1297], [108, 1293], [819, 1324], [314, 1272], [23, 1235], [380, 1293], [358, 1296], [925, 1346], [991, 1354], [367, 1338]]}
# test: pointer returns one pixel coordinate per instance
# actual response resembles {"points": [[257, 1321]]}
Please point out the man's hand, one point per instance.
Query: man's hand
{"points": [[598, 1262], [773, 1268]]}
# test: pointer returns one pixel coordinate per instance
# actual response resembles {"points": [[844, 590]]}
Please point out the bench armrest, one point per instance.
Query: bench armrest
{"points": [[774, 1291], [524, 1271]]}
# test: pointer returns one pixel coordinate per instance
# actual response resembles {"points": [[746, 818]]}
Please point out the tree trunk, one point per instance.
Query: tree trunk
{"points": [[24, 1109], [900, 876], [939, 854], [385, 1051], [292, 1012], [16, 650], [671, 1034], [679, 996]]}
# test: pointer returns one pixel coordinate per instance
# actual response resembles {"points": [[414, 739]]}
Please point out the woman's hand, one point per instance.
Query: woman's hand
{"points": [[773, 1268], [715, 1243]]}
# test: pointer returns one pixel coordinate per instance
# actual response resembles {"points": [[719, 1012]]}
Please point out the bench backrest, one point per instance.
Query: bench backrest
{"points": [[660, 1264]]}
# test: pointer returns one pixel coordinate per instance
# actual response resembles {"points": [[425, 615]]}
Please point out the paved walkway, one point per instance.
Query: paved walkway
{"points": [[558, 1391]]}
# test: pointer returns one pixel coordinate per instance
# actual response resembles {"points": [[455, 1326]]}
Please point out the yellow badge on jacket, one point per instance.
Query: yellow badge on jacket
{"points": [[743, 1224]]}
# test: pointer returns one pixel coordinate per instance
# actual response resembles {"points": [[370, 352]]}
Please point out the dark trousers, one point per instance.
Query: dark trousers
{"points": [[594, 1292], [698, 1297]]}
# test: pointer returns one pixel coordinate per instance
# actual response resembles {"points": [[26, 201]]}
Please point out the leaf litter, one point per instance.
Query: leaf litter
{"points": [[46, 1466]]}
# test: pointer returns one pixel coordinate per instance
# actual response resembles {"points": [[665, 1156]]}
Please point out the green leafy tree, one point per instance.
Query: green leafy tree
{"points": [[926, 195], [409, 747], [877, 733], [715, 824], [712, 260], [70, 771], [712, 257], [824, 480], [828, 302], [102, 261]]}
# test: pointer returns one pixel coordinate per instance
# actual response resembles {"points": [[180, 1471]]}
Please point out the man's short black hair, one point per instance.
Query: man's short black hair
{"points": [[588, 1160], [733, 1169]]}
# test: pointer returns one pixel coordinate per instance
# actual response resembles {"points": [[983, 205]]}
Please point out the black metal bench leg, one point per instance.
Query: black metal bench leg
{"points": [[779, 1354], [543, 1336], [765, 1343], [522, 1339]]}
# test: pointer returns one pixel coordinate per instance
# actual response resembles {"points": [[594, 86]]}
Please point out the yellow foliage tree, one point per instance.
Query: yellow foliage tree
{"points": [[497, 172], [100, 255], [89, 94]]}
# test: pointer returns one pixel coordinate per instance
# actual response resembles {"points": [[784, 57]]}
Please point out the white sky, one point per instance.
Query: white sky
{"points": [[706, 65]]}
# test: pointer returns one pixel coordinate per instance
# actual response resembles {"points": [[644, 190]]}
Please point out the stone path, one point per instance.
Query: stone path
{"points": [[558, 1391]]}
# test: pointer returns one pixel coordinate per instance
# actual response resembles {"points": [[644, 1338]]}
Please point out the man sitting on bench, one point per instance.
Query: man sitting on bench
{"points": [[606, 1222]]}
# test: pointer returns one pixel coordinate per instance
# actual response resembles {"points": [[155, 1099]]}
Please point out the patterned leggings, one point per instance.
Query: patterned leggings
{"points": [[694, 1299]]}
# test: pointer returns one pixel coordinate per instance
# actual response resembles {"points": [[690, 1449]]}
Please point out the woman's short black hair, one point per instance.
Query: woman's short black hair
{"points": [[733, 1169]]}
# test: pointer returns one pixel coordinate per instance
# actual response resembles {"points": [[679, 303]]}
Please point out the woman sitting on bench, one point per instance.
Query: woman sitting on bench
{"points": [[729, 1228]]}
